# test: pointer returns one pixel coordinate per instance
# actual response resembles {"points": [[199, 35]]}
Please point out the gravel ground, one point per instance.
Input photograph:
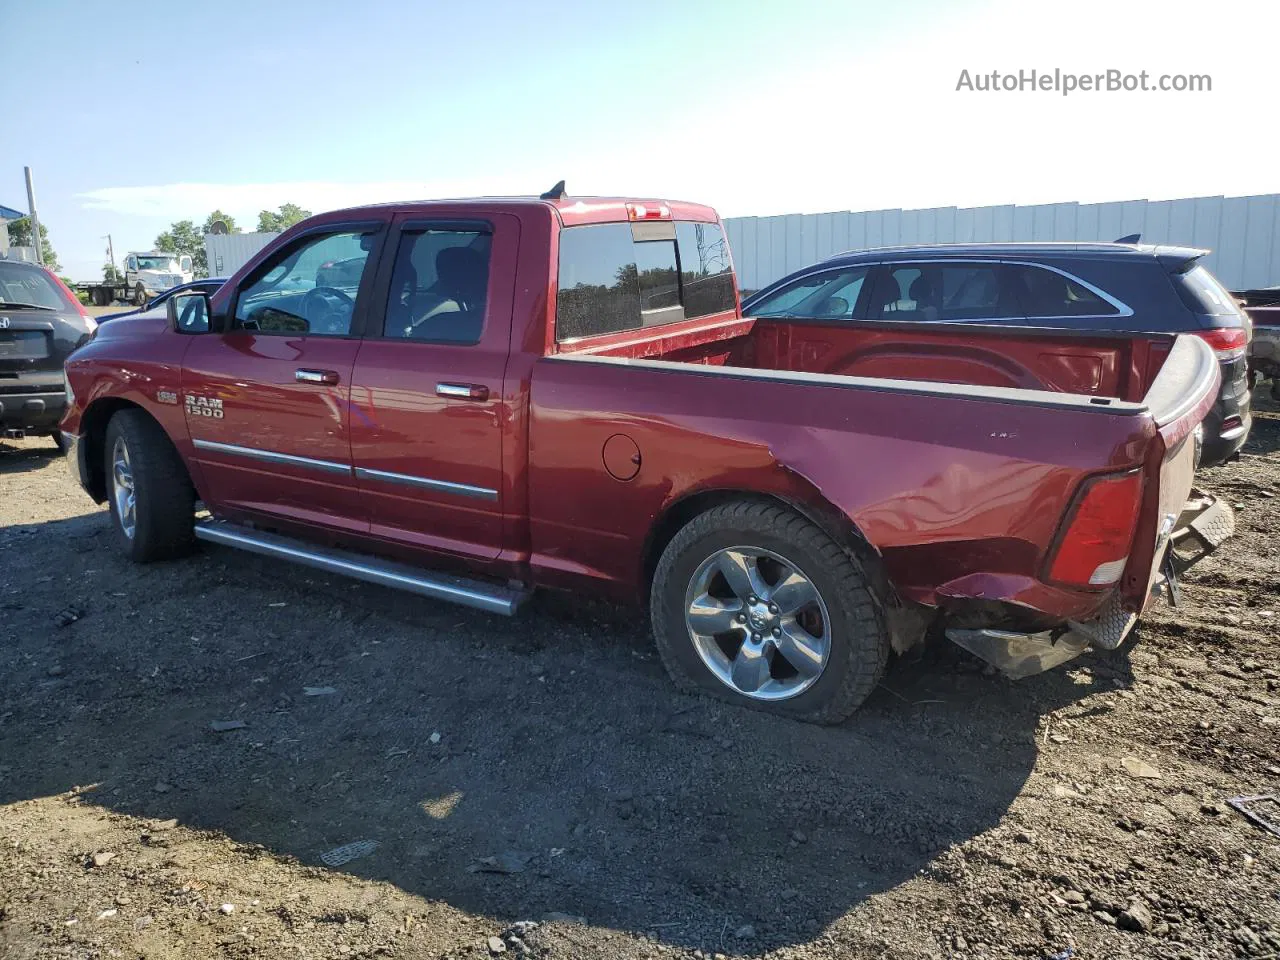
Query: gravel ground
{"points": [[534, 787]]}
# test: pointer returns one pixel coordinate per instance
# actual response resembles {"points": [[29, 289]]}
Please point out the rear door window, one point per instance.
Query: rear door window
{"points": [[439, 286], [945, 292], [1047, 294], [609, 281]]}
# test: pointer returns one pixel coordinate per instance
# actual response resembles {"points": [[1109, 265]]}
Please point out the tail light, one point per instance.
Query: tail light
{"points": [[1228, 343], [648, 211], [70, 295], [1094, 548]]}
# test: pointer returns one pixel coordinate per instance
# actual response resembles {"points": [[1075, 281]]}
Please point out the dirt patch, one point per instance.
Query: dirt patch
{"points": [[227, 756]]}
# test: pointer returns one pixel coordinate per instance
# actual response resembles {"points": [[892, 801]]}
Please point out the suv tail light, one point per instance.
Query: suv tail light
{"points": [[1229, 343], [70, 294], [1093, 549]]}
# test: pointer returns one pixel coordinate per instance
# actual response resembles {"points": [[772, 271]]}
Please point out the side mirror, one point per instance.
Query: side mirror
{"points": [[834, 308], [189, 313]]}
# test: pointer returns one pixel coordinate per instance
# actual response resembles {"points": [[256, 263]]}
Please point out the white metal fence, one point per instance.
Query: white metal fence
{"points": [[228, 252], [1242, 232]]}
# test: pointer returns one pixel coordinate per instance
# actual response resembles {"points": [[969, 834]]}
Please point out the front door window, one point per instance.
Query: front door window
{"points": [[312, 290]]}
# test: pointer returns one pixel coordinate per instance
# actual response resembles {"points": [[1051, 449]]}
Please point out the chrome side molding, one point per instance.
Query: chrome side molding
{"points": [[270, 456], [360, 473], [425, 583], [427, 483]]}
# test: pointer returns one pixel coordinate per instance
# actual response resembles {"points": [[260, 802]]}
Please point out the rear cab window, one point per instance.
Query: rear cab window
{"points": [[615, 277]]}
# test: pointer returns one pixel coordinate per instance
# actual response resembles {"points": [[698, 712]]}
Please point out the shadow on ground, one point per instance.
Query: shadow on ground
{"points": [[561, 745], [22, 459]]}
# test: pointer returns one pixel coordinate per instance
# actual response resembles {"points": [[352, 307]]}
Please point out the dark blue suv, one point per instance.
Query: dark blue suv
{"points": [[1081, 286]]}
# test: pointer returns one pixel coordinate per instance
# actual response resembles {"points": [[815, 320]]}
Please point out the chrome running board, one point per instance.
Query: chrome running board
{"points": [[438, 586]]}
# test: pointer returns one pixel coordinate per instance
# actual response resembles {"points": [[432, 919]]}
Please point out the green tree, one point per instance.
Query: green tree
{"points": [[110, 274], [271, 221], [182, 238], [20, 236], [226, 218]]}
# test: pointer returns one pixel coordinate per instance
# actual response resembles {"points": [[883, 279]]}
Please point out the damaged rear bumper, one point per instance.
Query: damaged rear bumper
{"points": [[1205, 523]]}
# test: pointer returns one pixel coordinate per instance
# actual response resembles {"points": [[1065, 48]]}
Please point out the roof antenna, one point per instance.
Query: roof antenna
{"points": [[1131, 238], [555, 193]]}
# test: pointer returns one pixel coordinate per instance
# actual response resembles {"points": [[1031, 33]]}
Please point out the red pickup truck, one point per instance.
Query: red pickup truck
{"points": [[494, 396]]}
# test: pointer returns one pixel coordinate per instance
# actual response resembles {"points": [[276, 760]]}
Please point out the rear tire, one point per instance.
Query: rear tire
{"points": [[844, 646], [149, 492]]}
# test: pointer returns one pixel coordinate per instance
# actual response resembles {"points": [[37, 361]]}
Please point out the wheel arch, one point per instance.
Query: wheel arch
{"points": [[93, 433], [906, 623], [821, 513]]}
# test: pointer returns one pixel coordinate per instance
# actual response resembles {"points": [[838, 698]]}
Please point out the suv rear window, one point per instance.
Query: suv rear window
{"points": [[20, 283], [610, 282], [1203, 294]]}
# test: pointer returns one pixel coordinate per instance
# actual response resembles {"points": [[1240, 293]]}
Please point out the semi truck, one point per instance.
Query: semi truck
{"points": [[146, 275]]}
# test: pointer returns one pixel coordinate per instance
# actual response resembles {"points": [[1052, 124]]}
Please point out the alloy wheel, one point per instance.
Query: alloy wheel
{"points": [[758, 623]]}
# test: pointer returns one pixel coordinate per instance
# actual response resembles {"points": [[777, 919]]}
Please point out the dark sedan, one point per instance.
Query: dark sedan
{"points": [[1081, 286], [208, 285]]}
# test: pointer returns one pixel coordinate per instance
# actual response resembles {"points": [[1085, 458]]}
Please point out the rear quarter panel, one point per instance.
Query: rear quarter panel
{"points": [[942, 486]]}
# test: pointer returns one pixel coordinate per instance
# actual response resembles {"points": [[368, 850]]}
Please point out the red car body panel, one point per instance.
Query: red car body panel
{"points": [[959, 497], [902, 434]]}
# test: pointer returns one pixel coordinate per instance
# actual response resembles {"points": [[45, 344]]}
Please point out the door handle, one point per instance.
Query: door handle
{"points": [[462, 391], [329, 377]]}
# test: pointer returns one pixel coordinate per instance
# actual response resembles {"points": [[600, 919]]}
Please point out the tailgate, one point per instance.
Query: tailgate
{"points": [[1182, 393]]}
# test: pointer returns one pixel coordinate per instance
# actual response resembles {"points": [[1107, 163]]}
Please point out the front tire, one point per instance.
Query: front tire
{"points": [[756, 605], [149, 492], [140, 296]]}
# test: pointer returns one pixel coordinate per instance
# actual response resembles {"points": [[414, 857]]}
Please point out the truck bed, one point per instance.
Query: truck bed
{"points": [[1118, 366], [954, 450]]}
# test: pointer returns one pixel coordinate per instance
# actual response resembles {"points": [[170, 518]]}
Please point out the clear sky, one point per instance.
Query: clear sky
{"points": [[133, 116]]}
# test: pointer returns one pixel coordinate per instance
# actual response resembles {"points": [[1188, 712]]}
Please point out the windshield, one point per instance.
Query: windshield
{"points": [[30, 285], [158, 263]]}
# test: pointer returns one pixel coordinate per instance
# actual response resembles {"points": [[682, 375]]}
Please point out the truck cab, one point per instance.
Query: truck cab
{"points": [[151, 273]]}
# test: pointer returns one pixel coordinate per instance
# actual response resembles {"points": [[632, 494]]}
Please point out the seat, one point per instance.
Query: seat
{"points": [[925, 297], [889, 296], [453, 308]]}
